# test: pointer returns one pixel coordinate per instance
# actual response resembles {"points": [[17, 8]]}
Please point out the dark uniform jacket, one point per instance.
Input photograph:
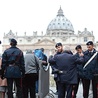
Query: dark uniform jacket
{"points": [[92, 68], [67, 63], [54, 66], [79, 67], [13, 63]]}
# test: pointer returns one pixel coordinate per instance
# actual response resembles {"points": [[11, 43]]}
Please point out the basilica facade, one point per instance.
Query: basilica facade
{"points": [[60, 29]]}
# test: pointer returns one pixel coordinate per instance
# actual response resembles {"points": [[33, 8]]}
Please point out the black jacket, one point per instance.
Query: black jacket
{"points": [[92, 67], [13, 56], [67, 63]]}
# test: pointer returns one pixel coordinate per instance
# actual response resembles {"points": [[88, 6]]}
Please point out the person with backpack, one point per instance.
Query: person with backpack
{"points": [[31, 74], [13, 68]]}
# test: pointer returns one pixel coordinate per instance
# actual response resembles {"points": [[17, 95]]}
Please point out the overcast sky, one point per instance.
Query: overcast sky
{"points": [[35, 15]]}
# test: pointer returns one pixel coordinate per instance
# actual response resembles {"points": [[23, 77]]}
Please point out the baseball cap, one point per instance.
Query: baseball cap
{"points": [[78, 47]]}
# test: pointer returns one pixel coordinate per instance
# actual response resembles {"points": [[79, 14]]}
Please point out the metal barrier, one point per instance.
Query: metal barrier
{"points": [[43, 81]]}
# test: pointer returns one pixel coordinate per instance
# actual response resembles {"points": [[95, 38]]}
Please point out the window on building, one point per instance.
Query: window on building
{"points": [[10, 39], [53, 40], [58, 34], [38, 40], [20, 40], [53, 33], [73, 40], [29, 40], [85, 39]]}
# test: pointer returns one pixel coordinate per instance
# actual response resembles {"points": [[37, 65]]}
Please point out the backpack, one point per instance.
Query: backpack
{"points": [[39, 54]]}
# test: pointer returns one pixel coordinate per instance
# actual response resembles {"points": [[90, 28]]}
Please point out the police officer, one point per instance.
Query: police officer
{"points": [[67, 72], [13, 68], [59, 50], [79, 50], [91, 71]]}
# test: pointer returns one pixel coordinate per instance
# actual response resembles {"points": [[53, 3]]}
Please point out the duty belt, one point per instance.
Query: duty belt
{"points": [[12, 64], [62, 72]]}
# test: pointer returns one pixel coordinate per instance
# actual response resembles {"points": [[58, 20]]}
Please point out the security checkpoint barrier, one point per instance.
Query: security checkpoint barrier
{"points": [[43, 81]]}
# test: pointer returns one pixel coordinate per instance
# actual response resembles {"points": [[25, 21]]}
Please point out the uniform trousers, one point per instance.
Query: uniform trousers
{"points": [[76, 87], [86, 86], [64, 89], [18, 82]]}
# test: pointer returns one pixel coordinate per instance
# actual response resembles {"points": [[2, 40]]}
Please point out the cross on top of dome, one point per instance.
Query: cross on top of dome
{"points": [[60, 12]]}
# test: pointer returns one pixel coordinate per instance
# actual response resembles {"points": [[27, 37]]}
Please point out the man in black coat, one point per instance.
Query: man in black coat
{"points": [[90, 71], [13, 68], [59, 50], [67, 72], [79, 50]]}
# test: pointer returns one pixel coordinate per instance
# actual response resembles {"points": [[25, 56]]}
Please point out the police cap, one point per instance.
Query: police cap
{"points": [[89, 43], [58, 44], [78, 47], [13, 41]]}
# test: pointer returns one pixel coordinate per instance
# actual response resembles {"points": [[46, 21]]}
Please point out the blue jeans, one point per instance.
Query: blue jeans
{"points": [[37, 85]]}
